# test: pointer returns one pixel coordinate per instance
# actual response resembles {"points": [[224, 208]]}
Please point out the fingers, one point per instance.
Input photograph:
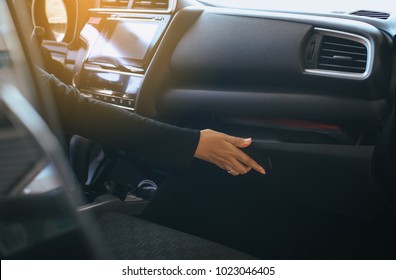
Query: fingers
{"points": [[236, 169], [241, 163], [239, 167], [238, 141], [224, 151], [248, 161], [232, 172]]}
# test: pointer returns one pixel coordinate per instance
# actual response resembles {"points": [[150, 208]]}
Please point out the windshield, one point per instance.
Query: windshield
{"points": [[334, 6]]}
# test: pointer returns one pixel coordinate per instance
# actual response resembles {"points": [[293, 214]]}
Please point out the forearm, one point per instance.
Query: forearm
{"points": [[142, 136], [119, 128]]}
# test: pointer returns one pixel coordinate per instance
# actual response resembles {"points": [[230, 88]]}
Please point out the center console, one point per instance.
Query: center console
{"points": [[120, 47]]}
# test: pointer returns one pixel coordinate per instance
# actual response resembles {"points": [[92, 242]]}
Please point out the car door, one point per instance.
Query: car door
{"points": [[37, 202]]}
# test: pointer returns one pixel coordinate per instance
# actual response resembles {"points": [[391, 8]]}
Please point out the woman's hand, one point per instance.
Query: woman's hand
{"points": [[225, 151]]}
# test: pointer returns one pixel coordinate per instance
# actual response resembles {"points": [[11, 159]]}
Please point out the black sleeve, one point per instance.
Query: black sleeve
{"points": [[111, 126]]}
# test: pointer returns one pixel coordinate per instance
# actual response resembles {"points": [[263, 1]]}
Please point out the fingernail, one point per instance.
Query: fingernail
{"points": [[263, 171], [247, 140]]}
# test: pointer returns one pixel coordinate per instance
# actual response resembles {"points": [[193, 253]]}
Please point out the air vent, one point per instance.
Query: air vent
{"points": [[150, 4], [343, 55], [114, 4], [371, 14]]}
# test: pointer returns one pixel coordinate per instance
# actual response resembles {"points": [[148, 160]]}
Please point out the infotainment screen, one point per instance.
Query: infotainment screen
{"points": [[130, 40], [127, 41]]}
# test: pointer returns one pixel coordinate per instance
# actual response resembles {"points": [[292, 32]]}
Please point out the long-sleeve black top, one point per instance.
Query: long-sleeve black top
{"points": [[111, 126]]}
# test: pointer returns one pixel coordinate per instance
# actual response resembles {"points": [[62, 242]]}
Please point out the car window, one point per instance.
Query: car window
{"points": [[57, 17]]}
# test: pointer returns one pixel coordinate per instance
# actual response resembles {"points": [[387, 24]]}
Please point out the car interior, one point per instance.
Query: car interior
{"points": [[315, 90]]}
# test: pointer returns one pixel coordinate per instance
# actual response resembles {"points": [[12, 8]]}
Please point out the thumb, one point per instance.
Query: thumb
{"points": [[240, 142]]}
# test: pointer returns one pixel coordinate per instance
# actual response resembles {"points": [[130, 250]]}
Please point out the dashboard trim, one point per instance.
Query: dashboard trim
{"points": [[171, 8], [134, 70]]}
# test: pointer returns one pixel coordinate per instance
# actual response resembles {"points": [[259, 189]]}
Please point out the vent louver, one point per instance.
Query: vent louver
{"points": [[114, 4], [150, 4], [371, 14], [343, 55]]}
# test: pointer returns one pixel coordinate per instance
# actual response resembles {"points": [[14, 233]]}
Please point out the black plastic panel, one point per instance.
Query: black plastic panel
{"points": [[330, 177], [253, 62], [182, 102], [239, 50]]}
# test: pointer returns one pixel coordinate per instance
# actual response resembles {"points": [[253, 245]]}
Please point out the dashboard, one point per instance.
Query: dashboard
{"points": [[175, 60]]}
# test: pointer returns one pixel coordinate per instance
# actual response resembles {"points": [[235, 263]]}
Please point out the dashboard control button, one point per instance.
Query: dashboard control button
{"points": [[130, 102], [112, 100], [129, 95]]}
